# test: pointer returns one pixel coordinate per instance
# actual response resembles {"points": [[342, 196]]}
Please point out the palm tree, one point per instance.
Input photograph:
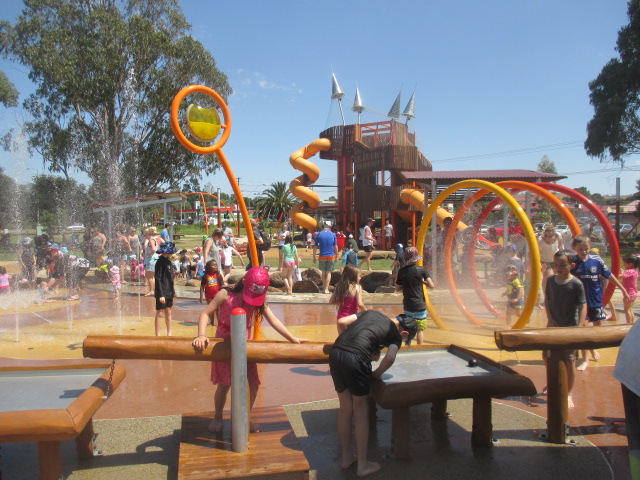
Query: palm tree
{"points": [[275, 200]]}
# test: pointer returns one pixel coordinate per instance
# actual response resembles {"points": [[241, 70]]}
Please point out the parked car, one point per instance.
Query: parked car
{"points": [[562, 229], [625, 227], [76, 228]]}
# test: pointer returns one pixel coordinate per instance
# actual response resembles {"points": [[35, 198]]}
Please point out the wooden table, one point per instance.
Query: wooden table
{"points": [[54, 403], [436, 374]]}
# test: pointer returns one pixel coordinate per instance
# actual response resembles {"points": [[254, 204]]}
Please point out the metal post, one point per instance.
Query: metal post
{"points": [[434, 229], [618, 209], [505, 222], [219, 222], [239, 393]]}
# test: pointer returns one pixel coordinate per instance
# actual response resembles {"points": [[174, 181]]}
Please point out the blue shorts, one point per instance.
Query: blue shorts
{"points": [[420, 318]]}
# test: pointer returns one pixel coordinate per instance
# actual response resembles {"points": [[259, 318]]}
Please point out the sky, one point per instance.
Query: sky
{"points": [[497, 84]]}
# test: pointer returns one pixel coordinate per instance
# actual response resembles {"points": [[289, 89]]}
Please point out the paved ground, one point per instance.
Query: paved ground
{"points": [[139, 425]]}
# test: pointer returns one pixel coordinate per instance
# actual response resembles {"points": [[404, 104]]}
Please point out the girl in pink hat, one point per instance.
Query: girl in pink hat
{"points": [[249, 293]]}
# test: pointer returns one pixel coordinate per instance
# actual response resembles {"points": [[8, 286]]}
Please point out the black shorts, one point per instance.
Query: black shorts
{"points": [[596, 314], [350, 371], [161, 306], [368, 248]]}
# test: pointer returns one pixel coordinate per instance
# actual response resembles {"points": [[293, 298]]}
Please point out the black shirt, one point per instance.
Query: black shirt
{"points": [[410, 277], [164, 279], [368, 334]]}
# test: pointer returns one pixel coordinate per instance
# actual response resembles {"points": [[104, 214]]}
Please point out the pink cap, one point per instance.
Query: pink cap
{"points": [[256, 284]]}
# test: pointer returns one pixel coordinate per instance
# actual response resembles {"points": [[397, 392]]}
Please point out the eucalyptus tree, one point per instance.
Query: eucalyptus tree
{"points": [[106, 72], [615, 96]]}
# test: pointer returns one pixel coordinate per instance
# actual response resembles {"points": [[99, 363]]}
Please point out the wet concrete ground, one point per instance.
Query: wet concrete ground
{"points": [[166, 388]]}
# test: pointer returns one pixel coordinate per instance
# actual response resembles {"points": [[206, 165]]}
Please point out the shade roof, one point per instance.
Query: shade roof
{"points": [[449, 177]]}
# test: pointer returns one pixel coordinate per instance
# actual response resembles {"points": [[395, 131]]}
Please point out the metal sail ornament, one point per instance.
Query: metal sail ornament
{"points": [[395, 109], [410, 109], [357, 104], [337, 93]]}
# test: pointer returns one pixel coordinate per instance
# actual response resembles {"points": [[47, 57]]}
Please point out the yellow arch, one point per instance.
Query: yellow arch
{"points": [[534, 254]]}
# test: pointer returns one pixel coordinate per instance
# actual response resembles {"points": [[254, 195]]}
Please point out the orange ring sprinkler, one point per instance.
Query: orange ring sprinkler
{"points": [[514, 185], [204, 125]]}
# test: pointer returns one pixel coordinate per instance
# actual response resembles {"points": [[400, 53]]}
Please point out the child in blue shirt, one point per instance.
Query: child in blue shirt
{"points": [[588, 269]]}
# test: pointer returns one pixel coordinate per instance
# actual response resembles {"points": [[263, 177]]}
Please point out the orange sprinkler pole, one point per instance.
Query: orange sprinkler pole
{"points": [[210, 120]]}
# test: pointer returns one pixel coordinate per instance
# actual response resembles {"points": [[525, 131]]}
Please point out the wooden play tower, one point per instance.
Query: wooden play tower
{"points": [[370, 158]]}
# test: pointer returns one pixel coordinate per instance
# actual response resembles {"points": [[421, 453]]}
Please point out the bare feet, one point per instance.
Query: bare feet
{"points": [[368, 469], [583, 366], [545, 390], [148, 294], [346, 463], [596, 355], [215, 426], [570, 402]]}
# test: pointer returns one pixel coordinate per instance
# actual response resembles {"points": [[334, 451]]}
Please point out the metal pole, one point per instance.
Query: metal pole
{"points": [[618, 209], [239, 392], [434, 228], [219, 222], [505, 222]]}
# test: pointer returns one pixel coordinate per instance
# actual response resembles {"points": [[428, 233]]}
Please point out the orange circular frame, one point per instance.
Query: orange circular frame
{"points": [[175, 124]]}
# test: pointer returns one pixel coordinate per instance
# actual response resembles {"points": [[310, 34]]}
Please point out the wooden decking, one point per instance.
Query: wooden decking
{"points": [[273, 453]]}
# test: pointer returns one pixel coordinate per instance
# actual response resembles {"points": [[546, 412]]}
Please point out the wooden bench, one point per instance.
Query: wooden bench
{"points": [[177, 236]]}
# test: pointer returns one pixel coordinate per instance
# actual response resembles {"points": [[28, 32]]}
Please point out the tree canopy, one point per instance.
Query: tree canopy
{"points": [[615, 126], [547, 166], [275, 200], [8, 91], [106, 72]]}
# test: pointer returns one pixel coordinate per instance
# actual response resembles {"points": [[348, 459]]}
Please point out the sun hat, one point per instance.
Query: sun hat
{"points": [[167, 248], [114, 269], [26, 240], [409, 325], [256, 284], [411, 254]]}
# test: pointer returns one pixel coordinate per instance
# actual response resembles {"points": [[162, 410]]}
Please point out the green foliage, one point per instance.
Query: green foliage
{"points": [[275, 200], [615, 96], [58, 202], [547, 166], [584, 190], [8, 91], [10, 211], [106, 72]]}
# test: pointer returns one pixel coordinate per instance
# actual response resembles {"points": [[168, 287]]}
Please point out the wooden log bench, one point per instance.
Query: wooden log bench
{"points": [[556, 341]]}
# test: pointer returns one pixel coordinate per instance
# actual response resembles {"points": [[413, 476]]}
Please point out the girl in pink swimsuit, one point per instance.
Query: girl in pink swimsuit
{"points": [[250, 294], [348, 294]]}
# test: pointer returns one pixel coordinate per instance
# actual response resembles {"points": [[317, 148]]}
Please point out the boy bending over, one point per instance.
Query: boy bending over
{"points": [[350, 364]]}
